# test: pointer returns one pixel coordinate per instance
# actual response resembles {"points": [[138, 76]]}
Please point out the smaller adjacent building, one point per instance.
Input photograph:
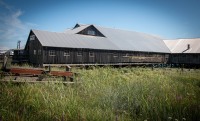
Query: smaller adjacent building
{"points": [[184, 51], [19, 56]]}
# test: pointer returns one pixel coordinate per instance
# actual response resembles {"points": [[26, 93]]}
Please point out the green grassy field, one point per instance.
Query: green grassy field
{"points": [[107, 94]]}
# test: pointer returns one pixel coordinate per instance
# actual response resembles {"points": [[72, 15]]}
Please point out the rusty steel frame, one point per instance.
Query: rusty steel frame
{"points": [[26, 71], [37, 72]]}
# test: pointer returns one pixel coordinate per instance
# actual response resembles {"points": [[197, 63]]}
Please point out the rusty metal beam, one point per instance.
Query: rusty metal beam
{"points": [[25, 71], [60, 73]]}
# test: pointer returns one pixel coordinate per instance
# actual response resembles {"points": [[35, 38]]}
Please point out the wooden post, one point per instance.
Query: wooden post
{"points": [[4, 62], [71, 79], [49, 68], [152, 66], [182, 66], [68, 68]]}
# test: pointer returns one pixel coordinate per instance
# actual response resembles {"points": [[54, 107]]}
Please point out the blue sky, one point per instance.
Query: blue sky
{"points": [[169, 19]]}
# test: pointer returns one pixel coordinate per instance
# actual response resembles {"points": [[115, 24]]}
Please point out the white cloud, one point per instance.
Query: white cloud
{"points": [[12, 28], [5, 5]]}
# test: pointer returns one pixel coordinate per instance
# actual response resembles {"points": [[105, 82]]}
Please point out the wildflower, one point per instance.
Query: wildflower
{"points": [[170, 118], [184, 119]]}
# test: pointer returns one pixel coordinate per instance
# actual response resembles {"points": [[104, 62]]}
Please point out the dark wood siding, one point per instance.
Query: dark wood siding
{"points": [[185, 58], [82, 56], [34, 50]]}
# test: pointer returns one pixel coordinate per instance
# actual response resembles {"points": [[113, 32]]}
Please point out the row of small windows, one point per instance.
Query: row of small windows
{"points": [[35, 52], [67, 53]]}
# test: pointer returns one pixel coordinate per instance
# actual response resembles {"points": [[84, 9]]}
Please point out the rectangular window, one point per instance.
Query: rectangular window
{"points": [[39, 52], [79, 53], [91, 54], [32, 37], [34, 52], [66, 53], [115, 55], [125, 54], [52, 53], [91, 32]]}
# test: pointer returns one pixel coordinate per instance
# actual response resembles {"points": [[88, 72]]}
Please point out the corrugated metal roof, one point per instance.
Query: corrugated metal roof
{"points": [[115, 40], [134, 41], [181, 45], [53, 39], [77, 29]]}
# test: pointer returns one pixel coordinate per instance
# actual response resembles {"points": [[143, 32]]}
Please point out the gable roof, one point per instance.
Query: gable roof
{"points": [[115, 39], [77, 29], [66, 40], [181, 45]]}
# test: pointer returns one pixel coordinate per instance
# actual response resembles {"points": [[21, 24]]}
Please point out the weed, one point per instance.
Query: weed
{"points": [[107, 94]]}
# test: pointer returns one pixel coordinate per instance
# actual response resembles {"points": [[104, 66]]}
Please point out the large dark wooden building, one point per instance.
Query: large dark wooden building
{"points": [[184, 51], [90, 44]]}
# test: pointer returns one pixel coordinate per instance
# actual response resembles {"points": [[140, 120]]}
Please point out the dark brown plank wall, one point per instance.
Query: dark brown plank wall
{"points": [[99, 56]]}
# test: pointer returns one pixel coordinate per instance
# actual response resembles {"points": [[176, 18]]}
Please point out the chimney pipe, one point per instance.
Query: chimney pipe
{"points": [[188, 46]]}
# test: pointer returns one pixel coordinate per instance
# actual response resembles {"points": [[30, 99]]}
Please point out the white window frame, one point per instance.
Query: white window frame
{"points": [[66, 53], [32, 37], [52, 53], [79, 53], [91, 54], [34, 52]]}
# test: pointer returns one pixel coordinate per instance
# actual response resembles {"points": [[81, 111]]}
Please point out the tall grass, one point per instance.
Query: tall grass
{"points": [[107, 94]]}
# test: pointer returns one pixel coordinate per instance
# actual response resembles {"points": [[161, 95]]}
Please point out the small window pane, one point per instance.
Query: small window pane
{"points": [[52, 53], [91, 32], [39, 52], [32, 37], [34, 52], [91, 54], [125, 55], [79, 53], [115, 55], [66, 53]]}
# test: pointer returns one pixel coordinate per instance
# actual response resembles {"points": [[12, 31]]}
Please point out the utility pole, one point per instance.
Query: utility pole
{"points": [[18, 44]]}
